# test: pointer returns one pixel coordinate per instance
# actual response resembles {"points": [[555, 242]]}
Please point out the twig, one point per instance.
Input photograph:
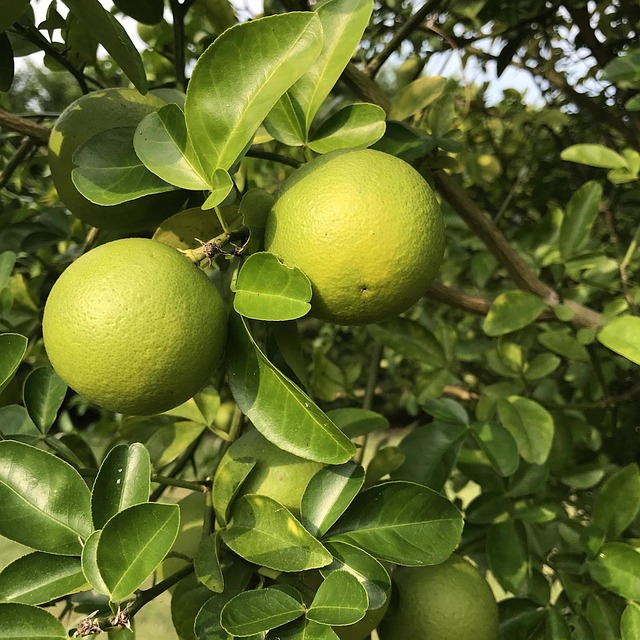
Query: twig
{"points": [[22, 153], [267, 155], [400, 36], [178, 12], [179, 465], [369, 392], [36, 132]]}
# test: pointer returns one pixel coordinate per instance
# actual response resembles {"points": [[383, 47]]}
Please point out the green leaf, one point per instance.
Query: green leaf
{"points": [[385, 461], [266, 289], [145, 11], [511, 311], [343, 23], [340, 600], [328, 494], [593, 155], [304, 629], [285, 122], [603, 617], [222, 115], [564, 344], [409, 339], [260, 610], [90, 563], [264, 532], [430, 453], [279, 409], [202, 408], [355, 422], [13, 346], [416, 96], [7, 262], [633, 104], [41, 577], [622, 335], [630, 622], [12, 10], [499, 446], [556, 627], [122, 481], [109, 172], [25, 622], [254, 209], [369, 572], [182, 229], [133, 543], [508, 556], [588, 539], [221, 186], [207, 563], [401, 522], [624, 69], [162, 143], [230, 475], [530, 424], [354, 126], [541, 366], [207, 623], [618, 501], [45, 502], [616, 568], [43, 393], [15, 421], [112, 36], [582, 211], [187, 599], [289, 346]]}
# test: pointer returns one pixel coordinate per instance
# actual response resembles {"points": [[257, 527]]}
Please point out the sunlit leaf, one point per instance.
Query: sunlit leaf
{"points": [[340, 600], [416, 96], [616, 568], [26, 622], [622, 335], [13, 347], [511, 311], [582, 211], [593, 155]]}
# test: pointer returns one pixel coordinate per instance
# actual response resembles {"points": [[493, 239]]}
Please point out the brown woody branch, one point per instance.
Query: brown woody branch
{"points": [[35, 131]]}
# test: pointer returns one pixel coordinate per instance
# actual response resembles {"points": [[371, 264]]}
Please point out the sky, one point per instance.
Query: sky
{"points": [[447, 64]]}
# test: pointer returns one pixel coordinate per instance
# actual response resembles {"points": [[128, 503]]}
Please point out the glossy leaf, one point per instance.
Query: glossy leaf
{"points": [[41, 577], [508, 555], [45, 502], [630, 622], [13, 346], [304, 629], [409, 339], [564, 344], [264, 532], [355, 422], [328, 494], [340, 600], [385, 461], [133, 543], [44, 391], [162, 143], [618, 501], [182, 229], [266, 289], [499, 446], [254, 209], [221, 186], [530, 424], [289, 346], [622, 335], [343, 23], [207, 623], [172, 439], [15, 421], [369, 572], [188, 597], [26, 622], [109, 172], [207, 563], [541, 366], [354, 126], [616, 568], [112, 36], [582, 211], [511, 311], [12, 10], [279, 409], [260, 610], [90, 563], [230, 475], [603, 618], [430, 453], [593, 155], [401, 522], [123, 480], [416, 96], [222, 115]]}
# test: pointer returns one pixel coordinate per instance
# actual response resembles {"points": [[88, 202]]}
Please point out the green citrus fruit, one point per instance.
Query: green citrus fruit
{"points": [[365, 228], [448, 601], [134, 326], [277, 474], [84, 118]]}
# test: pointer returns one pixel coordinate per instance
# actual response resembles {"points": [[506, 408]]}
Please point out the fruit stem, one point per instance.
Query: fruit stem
{"points": [[209, 249]]}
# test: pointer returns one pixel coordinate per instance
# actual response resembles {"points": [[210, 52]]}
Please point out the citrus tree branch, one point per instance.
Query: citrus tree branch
{"points": [[15, 123]]}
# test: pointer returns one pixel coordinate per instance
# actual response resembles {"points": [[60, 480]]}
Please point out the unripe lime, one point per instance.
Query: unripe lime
{"points": [[134, 326], [366, 229], [447, 601], [277, 474], [81, 120]]}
